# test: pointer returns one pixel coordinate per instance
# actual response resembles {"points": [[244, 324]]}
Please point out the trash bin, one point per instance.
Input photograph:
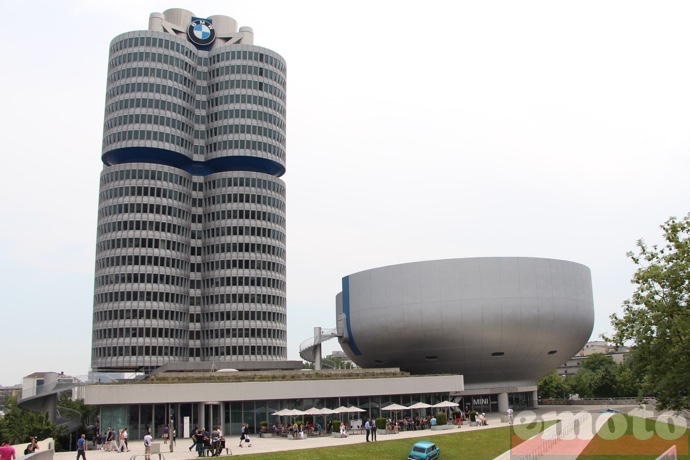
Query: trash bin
{"points": [[155, 447]]}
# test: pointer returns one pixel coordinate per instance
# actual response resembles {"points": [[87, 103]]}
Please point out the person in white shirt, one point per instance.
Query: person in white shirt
{"points": [[148, 439], [510, 416]]}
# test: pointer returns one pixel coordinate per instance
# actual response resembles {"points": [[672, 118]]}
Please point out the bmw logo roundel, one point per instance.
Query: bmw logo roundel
{"points": [[201, 32]]}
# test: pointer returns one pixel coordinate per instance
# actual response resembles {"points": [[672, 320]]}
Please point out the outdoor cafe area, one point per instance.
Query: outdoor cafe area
{"points": [[298, 424]]}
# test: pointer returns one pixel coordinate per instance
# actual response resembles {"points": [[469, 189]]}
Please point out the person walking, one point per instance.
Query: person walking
{"points": [[510, 416], [81, 447], [193, 439], [124, 437], [367, 428], [7, 452], [373, 430], [148, 439]]}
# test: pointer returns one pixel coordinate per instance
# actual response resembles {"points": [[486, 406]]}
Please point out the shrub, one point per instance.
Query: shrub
{"points": [[381, 423], [336, 425], [473, 416], [441, 418]]}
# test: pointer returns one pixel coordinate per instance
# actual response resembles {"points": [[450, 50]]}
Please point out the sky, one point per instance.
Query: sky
{"points": [[415, 131]]}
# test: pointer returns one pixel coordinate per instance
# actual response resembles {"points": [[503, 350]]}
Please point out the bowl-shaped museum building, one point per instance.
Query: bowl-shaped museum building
{"points": [[501, 322]]}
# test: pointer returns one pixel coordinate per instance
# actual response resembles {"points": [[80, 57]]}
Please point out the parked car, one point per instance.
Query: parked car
{"points": [[424, 450]]}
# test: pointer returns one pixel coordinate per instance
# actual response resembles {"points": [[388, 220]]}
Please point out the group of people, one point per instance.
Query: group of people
{"points": [[203, 440], [370, 428], [113, 440]]}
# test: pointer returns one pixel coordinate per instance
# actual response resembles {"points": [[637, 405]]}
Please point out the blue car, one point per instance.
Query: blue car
{"points": [[424, 450]]}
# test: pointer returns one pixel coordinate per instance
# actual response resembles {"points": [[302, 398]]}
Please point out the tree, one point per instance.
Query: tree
{"points": [[18, 425], [656, 320], [551, 386]]}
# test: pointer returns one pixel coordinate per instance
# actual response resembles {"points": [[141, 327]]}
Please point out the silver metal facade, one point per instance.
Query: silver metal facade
{"points": [[497, 321], [190, 256]]}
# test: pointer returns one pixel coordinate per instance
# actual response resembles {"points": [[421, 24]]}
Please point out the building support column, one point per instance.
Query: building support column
{"points": [[202, 415], [502, 402], [535, 399], [317, 348]]}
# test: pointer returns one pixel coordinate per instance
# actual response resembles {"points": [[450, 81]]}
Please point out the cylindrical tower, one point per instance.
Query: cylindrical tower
{"points": [[190, 256]]}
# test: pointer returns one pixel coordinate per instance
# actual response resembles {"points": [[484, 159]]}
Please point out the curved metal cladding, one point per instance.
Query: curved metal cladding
{"points": [[246, 116], [244, 313], [141, 295], [493, 320], [190, 258], [150, 99]]}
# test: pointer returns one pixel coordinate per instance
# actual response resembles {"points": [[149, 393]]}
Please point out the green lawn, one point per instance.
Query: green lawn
{"points": [[476, 445]]}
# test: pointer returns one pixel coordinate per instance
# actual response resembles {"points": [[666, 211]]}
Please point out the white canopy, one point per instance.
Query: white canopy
{"points": [[419, 405], [446, 404], [394, 407]]}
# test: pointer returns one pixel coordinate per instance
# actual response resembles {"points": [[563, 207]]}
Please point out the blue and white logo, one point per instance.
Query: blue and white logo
{"points": [[201, 32]]}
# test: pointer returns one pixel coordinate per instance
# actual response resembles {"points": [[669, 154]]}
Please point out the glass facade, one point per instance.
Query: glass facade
{"points": [[184, 417]]}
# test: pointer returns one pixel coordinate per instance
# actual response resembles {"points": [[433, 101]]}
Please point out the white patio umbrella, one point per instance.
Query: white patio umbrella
{"points": [[394, 407], [313, 411], [355, 409], [281, 413], [419, 405], [445, 405]]}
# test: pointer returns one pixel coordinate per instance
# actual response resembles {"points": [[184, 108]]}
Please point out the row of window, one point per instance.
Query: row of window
{"points": [[143, 260], [251, 85], [140, 350], [248, 56], [148, 225], [146, 332], [143, 190], [151, 243], [254, 231], [150, 103], [244, 214], [146, 174], [145, 87], [252, 198], [247, 99], [184, 334], [236, 298], [230, 144], [149, 119], [141, 313], [244, 351], [156, 42], [163, 74], [227, 71], [136, 278], [256, 130], [249, 114], [244, 247], [172, 315], [244, 182], [126, 296], [227, 85], [267, 299], [160, 58], [126, 208], [232, 281], [146, 135], [242, 333], [243, 315]]}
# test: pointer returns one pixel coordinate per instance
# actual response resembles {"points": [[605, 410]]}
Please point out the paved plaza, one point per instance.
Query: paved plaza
{"points": [[277, 444]]}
